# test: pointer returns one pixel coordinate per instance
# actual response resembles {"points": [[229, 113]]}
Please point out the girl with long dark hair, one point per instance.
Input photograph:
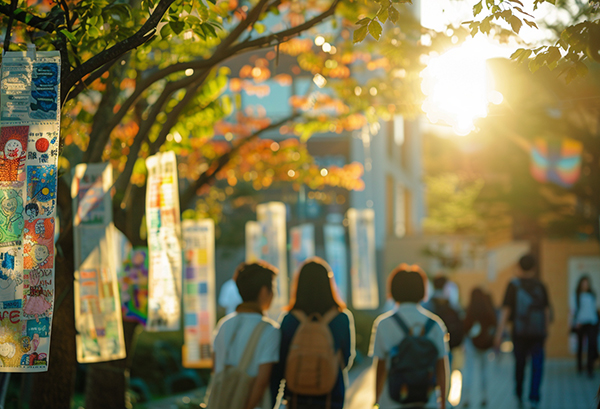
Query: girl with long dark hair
{"points": [[313, 298], [585, 323]]}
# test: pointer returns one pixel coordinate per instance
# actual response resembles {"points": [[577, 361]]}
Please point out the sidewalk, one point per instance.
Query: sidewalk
{"points": [[562, 387]]}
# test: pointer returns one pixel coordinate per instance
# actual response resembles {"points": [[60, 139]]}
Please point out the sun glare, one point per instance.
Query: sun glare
{"points": [[459, 87]]}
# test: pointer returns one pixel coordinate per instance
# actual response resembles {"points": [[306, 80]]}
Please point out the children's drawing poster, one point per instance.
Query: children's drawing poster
{"points": [[273, 250], [133, 283], [97, 299], [336, 253], [28, 180], [164, 232], [363, 271], [199, 295], [302, 245]]}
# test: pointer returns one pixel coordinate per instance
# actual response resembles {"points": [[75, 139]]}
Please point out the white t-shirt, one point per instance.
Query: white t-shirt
{"points": [[387, 334], [587, 313], [267, 350], [229, 296]]}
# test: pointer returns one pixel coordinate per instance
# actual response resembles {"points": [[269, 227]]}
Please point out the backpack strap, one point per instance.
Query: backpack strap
{"points": [[251, 346], [428, 326], [407, 331], [300, 315], [330, 315]]}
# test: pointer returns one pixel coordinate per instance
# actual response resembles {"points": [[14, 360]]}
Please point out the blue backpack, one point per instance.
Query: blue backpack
{"points": [[411, 378], [530, 311]]}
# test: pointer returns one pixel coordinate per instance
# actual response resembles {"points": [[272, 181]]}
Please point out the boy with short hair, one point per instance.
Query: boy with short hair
{"points": [[255, 285], [407, 289]]}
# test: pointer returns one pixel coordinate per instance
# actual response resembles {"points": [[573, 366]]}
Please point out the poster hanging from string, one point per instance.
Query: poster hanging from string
{"points": [[363, 271], [336, 253], [133, 283], [302, 245], [29, 148], [97, 300], [164, 232], [199, 296]]}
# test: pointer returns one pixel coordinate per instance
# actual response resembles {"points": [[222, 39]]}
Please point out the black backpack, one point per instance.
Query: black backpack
{"points": [[451, 319], [411, 378], [530, 311]]}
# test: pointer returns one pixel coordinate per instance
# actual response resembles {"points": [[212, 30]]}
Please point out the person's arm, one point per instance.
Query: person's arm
{"points": [[380, 378], [504, 314], [347, 341], [441, 377], [260, 385]]}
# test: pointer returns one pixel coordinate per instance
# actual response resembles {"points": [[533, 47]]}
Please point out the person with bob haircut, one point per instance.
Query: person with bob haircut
{"points": [[314, 296], [407, 286], [255, 285]]}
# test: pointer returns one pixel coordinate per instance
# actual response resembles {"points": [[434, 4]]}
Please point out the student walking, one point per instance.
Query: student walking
{"points": [[526, 305], [317, 342], [247, 344], [410, 347], [479, 325], [585, 323]]}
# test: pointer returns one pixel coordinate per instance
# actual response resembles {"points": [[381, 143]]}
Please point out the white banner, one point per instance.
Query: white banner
{"points": [[272, 218], [254, 241], [336, 253], [199, 296], [29, 145], [164, 232], [365, 293], [302, 245], [97, 300]]}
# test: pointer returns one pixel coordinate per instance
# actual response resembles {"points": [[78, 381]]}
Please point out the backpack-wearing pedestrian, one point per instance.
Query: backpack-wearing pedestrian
{"points": [[410, 346], [526, 305], [480, 326], [317, 342], [585, 323], [247, 344]]}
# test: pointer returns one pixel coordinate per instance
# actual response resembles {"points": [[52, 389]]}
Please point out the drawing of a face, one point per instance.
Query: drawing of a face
{"points": [[39, 253], [7, 350], [9, 206], [40, 228], [13, 149]]}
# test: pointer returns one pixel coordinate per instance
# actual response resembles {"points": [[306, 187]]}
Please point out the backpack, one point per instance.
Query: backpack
{"points": [[530, 311], [231, 387], [312, 365], [451, 319], [411, 378]]}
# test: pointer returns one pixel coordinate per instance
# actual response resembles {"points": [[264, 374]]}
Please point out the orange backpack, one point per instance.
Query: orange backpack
{"points": [[312, 364]]}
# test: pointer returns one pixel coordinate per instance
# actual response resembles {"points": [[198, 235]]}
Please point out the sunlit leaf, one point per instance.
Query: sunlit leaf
{"points": [[375, 29], [360, 34]]}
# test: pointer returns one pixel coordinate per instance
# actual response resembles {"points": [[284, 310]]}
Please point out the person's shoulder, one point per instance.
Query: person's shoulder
{"points": [[384, 319], [345, 317], [272, 324], [428, 314]]}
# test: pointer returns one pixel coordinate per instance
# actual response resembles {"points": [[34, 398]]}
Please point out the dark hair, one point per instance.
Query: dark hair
{"points": [[32, 206], [527, 262], [313, 289], [251, 277], [407, 283], [439, 282], [578, 292], [481, 307]]}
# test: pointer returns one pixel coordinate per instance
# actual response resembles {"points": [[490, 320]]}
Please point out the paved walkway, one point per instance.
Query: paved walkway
{"points": [[562, 387]]}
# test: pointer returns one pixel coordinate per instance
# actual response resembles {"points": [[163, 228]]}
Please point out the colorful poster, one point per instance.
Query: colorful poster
{"points": [[133, 283], [199, 296], [164, 232], [363, 271], [302, 245], [272, 218], [336, 254], [28, 180], [97, 300]]}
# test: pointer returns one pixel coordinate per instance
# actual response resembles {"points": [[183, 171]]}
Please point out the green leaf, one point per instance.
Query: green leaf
{"points": [[375, 30], [581, 68], [69, 35], [383, 15], [93, 32], [259, 27], [363, 21], [28, 18], [530, 24], [360, 34], [166, 31], [477, 8], [515, 24], [177, 26], [394, 15], [553, 55]]}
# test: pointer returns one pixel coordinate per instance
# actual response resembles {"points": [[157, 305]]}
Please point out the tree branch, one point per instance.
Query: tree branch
{"points": [[217, 165], [42, 24], [144, 34], [82, 85]]}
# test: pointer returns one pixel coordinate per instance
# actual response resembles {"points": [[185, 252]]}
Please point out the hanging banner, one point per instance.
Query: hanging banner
{"points": [[199, 296], [29, 145], [271, 217], [365, 293], [254, 241], [97, 301], [133, 283], [164, 232], [336, 255], [302, 245]]}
